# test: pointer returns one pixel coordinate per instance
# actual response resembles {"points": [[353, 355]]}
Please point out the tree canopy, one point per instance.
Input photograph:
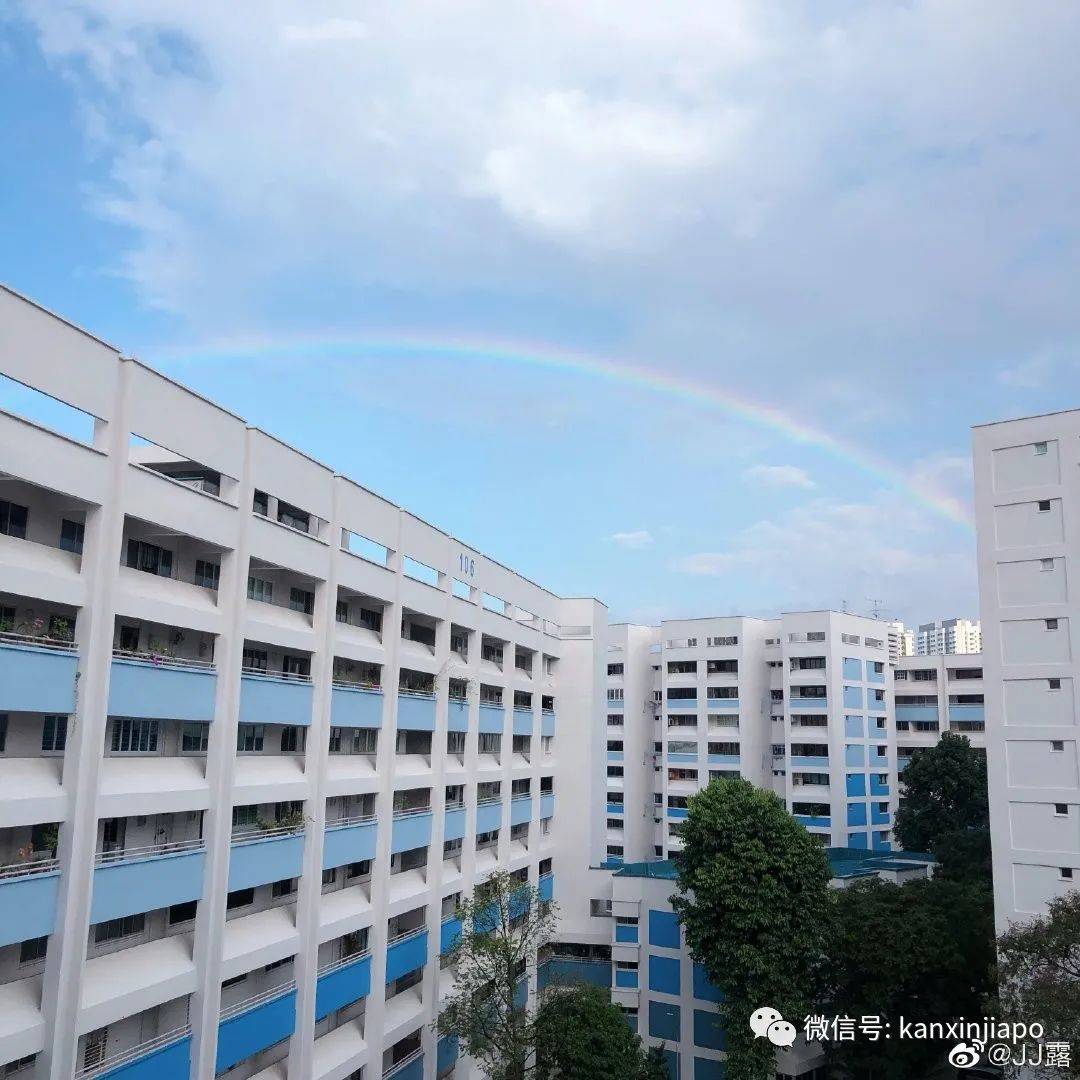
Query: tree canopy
{"points": [[753, 899]]}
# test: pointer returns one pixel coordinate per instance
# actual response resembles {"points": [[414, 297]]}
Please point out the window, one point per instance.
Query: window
{"points": [[13, 519], [615, 719], [1061, 809], [615, 850], [53, 734], [1066, 873], [600, 909], [94, 1048], [1053, 684], [255, 660], [489, 743], [371, 620], [240, 898], [261, 503], [614, 669], [30, 952], [294, 518], [194, 738], [615, 693], [207, 574], [249, 738], [1044, 506], [1046, 565], [292, 739], [182, 913], [1057, 746], [615, 770], [1040, 449], [260, 589], [17, 1066], [134, 737], [358, 869], [302, 600], [115, 929], [329, 876], [615, 823], [149, 558], [71, 536], [1051, 624]]}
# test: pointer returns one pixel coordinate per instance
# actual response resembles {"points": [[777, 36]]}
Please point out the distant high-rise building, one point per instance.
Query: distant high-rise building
{"points": [[901, 642], [947, 636]]}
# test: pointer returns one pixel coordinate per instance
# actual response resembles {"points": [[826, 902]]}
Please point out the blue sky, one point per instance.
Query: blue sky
{"points": [[862, 217]]}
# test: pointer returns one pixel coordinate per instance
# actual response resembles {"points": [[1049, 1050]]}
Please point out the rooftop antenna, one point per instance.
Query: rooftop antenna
{"points": [[843, 606], [875, 607]]}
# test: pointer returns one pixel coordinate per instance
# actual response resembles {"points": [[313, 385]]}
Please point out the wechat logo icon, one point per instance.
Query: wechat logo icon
{"points": [[767, 1023]]}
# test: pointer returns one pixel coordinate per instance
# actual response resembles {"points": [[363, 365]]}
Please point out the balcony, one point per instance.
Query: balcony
{"points": [[523, 721], [547, 723], [547, 804], [416, 711], [355, 706], [253, 1025], [275, 699], [817, 703], [349, 840], [133, 880], [813, 821], [449, 933], [680, 704], [960, 714], [492, 719], [488, 814], [454, 823], [408, 1068], [809, 761], [341, 983], [411, 829], [546, 886], [164, 1057], [457, 714], [37, 673], [260, 856], [405, 953], [616, 808], [156, 687], [28, 893], [724, 759]]}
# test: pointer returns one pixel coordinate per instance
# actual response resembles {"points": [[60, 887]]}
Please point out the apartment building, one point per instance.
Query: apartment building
{"points": [[935, 694], [1028, 524], [948, 636], [259, 729]]}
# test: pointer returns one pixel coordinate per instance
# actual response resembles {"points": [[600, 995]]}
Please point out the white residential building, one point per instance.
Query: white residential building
{"points": [[948, 636], [259, 729], [1028, 521]]}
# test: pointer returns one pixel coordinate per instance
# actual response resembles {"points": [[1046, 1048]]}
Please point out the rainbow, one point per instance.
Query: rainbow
{"points": [[650, 380]]}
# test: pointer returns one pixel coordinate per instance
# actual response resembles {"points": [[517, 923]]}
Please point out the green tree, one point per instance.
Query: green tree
{"points": [[1039, 975], [753, 899], [581, 1035], [945, 808], [502, 927], [923, 950]]}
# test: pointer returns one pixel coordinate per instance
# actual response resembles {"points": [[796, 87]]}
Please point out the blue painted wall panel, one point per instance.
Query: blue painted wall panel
{"points": [[854, 727], [873, 676], [664, 974], [546, 886], [853, 697], [856, 813], [342, 987], [241, 1036], [523, 722], [415, 713], [265, 700], [405, 956], [626, 934], [878, 787], [449, 932], [488, 817], [708, 1069], [852, 669], [348, 844], [167, 693], [172, 1062], [28, 907], [626, 979], [413, 1071], [457, 716], [708, 1031], [411, 832], [663, 929], [258, 862], [454, 824], [547, 723], [492, 719], [857, 840], [664, 1020], [127, 888], [520, 811], [856, 783], [703, 989], [547, 805], [724, 759], [447, 1053], [37, 680], [356, 708], [854, 754]]}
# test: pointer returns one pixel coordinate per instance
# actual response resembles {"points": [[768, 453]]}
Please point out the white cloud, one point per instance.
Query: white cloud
{"points": [[827, 552], [321, 33], [1036, 371], [779, 476], [634, 541]]}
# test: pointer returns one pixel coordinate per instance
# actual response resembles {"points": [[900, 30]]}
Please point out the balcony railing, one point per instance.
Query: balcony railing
{"points": [[341, 962], [399, 1065], [27, 867], [37, 641], [163, 660], [258, 999], [146, 851], [133, 1053], [264, 673], [356, 684], [356, 819], [404, 935], [411, 811], [244, 833]]}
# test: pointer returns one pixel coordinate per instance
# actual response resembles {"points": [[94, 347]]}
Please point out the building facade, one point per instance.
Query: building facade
{"points": [[948, 636], [259, 730], [1028, 524]]}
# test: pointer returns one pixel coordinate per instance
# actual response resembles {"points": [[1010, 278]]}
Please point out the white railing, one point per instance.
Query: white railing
{"points": [[412, 811], [341, 962], [133, 1053], [167, 847], [356, 819], [244, 833], [161, 660], [9, 637], [356, 684], [428, 695], [407, 1060], [286, 676], [28, 867], [521, 795], [487, 800], [405, 935], [491, 704], [258, 999], [455, 806]]}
